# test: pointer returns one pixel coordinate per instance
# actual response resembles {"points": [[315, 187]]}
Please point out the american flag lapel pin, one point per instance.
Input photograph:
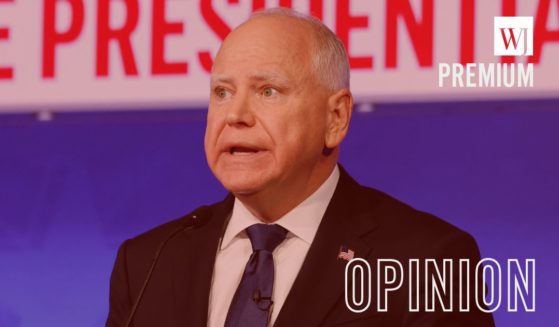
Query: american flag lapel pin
{"points": [[346, 253]]}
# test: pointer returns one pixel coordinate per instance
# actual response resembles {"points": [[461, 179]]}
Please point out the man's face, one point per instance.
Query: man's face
{"points": [[267, 112]]}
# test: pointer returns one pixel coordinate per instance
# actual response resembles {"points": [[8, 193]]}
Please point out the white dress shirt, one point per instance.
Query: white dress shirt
{"points": [[301, 222]]}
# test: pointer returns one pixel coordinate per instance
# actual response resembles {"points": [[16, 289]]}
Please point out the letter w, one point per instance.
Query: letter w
{"points": [[512, 37]]}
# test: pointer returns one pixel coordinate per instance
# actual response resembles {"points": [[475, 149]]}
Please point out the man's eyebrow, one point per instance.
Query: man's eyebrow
{"points": [[218, 78], [256, 77], [263, 77]]}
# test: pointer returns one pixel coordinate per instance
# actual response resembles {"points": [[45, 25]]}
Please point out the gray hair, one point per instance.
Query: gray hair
{"points": [[330, 61]]}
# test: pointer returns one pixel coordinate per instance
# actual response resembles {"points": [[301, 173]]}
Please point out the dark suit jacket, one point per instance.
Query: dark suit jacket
{"points": [[369, 222]]}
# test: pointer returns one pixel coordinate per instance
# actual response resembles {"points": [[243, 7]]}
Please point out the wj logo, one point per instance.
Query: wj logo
{"points": [[513, 36]]}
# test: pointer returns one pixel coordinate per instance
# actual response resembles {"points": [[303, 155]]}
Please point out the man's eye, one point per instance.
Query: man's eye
{"points": [[269, 91], [221, 93]]}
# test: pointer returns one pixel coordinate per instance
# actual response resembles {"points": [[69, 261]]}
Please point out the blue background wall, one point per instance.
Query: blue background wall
{"points": [[72, 189]]}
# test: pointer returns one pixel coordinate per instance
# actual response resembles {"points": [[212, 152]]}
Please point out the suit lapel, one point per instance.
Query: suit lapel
{"points": [[194, 259], [320, 282]]}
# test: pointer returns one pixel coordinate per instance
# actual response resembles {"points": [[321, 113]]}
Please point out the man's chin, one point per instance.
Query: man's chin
{"points": [[241, 188], [244, 182]]}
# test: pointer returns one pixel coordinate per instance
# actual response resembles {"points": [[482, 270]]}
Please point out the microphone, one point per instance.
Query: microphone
{"points": [[196, 219], [263, 302]]}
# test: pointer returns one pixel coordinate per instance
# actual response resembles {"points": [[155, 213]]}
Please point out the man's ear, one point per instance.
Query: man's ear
{"points": [[340, 106]]}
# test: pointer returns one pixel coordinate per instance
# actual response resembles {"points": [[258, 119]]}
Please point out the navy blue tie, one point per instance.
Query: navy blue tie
{"points": [[252, 301]]}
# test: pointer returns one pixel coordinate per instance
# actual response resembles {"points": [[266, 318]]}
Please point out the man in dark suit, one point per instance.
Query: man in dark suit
{"points": [[269, 253]]}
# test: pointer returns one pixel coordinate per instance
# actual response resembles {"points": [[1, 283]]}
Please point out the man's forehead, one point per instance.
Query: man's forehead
{"points": [[263, 49], [271, 31]]}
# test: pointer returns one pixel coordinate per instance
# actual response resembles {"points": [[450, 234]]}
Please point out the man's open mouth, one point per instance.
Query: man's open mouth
{"points": [[241, 150]]}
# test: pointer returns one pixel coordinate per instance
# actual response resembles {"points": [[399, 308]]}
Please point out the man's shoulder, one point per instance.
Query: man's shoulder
{"points": [[393, 211], [402, 225]]}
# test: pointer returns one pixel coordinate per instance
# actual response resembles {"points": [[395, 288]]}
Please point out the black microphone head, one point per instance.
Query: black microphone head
{"points": [[256, 295], [198, 217]]}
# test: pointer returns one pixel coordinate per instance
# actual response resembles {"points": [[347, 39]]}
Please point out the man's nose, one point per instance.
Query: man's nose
{"points": [[240, 113]]}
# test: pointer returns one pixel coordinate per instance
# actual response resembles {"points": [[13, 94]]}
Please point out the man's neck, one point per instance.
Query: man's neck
{"points": [[269, 206]]}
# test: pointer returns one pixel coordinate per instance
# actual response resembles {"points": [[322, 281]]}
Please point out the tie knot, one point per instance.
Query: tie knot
{"points": [[266, 237]]}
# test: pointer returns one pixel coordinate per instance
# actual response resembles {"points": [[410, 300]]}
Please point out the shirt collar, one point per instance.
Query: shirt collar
{"points": [[302, 221]]}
